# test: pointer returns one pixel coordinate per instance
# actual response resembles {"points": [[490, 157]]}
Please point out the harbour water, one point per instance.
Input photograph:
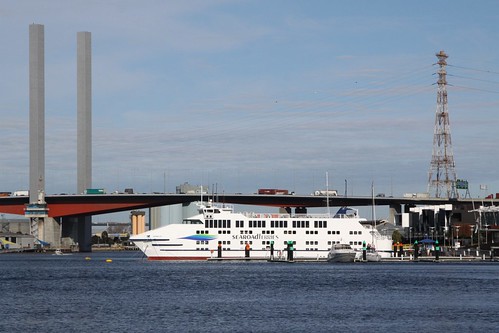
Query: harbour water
{"points": [[49, 293]]}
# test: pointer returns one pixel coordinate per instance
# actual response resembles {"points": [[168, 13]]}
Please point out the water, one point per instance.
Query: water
{"points": [[47, 293]]}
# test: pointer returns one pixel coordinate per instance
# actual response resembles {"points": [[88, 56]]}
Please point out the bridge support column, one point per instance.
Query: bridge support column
{"points": [[48, 230], [394, 211], [77, 231], [138, 221]]}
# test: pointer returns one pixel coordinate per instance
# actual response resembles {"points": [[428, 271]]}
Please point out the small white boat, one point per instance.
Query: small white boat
{"points": [[372, 255], [59, 252], [341, 253]]}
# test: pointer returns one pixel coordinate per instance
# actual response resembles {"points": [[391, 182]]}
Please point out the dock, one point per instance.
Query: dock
{"points": [[422, 259]]}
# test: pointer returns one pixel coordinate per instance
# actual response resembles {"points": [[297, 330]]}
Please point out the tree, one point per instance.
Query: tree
{"points": [[396, 236]]}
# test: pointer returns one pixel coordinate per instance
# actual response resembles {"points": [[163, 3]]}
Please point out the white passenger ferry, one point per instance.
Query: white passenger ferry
{"points": [[218, 226]]}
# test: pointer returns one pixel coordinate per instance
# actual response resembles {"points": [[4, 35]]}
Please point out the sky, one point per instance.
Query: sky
{"points": [[242, 95]]}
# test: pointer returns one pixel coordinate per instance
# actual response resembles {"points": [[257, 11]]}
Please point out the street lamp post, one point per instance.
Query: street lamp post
{"points": [[445, 235], [471, 234], [486, 233]]}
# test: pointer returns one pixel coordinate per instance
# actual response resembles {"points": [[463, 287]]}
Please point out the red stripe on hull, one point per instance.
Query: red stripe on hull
{"points": [[177, 258]]}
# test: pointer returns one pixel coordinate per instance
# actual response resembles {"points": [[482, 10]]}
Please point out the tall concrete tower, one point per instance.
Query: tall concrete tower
{"points": [[36, 111], [442, 174], [84, 111], [84, 134]]}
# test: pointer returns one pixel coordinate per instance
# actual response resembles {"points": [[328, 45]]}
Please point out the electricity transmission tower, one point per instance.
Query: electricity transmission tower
{"points": [[442, 174]]}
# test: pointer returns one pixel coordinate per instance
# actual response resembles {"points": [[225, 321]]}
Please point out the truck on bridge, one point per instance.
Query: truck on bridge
{"points": [[272, 191], [95, 191], [331, 193]]}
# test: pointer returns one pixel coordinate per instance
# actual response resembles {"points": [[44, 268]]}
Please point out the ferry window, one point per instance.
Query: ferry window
{"points": [[351, 232], [241, 224], [316, 224], [294, 232], [285, 224], [306, 243], [224, 223], [228, 224], [285, 232], [271, 224], [250, 223], [294, 224], [360, 232], [251, 232], [351, 243], [338, 232], [259, 224], [219, 231], [263, 224], [325, 224], [307, 224]]}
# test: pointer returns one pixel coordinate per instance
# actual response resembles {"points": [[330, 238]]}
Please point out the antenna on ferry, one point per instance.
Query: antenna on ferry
{"points": [[373, 214], [201, 187], [327, 194]]}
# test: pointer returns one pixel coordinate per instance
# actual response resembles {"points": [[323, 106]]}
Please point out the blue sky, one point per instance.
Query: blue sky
{"points": [[255, 94]]}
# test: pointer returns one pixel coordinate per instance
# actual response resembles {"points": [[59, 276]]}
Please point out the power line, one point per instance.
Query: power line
{"points": [[471, 78], [476, 89], [474, 69]]}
